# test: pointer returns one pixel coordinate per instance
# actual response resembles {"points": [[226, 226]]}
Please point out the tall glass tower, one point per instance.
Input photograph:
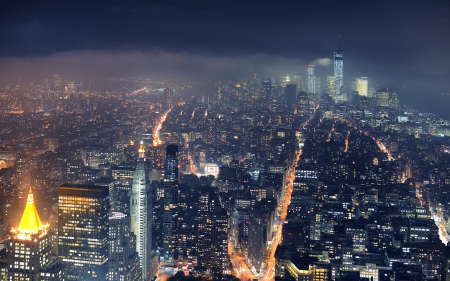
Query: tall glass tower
{"points": [[170, 201], [141, 213], [311, 80], [338, 70]]}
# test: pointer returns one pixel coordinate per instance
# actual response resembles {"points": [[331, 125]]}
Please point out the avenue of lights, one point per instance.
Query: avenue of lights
{"points": [[269, 274], [191, 164], [241, 268], [346, 141], [156, 130]]}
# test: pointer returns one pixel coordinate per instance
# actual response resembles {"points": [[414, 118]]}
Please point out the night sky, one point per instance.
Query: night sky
{"points": [[400, 44]]}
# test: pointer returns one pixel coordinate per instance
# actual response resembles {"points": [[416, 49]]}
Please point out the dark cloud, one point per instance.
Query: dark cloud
{"points": [[389, 41], [288, 28]]}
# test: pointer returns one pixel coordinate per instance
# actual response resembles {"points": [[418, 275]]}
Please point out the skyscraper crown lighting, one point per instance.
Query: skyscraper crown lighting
{"points": [[30, 222], [141, 150]]}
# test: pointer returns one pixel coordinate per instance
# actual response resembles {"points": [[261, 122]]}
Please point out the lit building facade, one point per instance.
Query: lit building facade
{"points": [[141, 213], [212, 232], [83, 231], [393, 100], [311, 80], [169, 201], [120, 194], [123, 262], [28, 247], [362, 86], [338, 71], [382, 98], [302, 103]]}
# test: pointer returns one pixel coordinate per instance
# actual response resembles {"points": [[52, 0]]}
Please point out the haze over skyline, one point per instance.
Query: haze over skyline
{"points": [[401, 45]]}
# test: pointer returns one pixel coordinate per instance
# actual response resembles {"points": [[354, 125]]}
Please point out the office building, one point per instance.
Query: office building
{"points": [[362, 86], [302, 103], [382, 98], [212, 235], [393, 100], [141, 213], [331, 86], [169, 203], [266, 92], [120, 194], [311, 80], [123, 262], [83, 231]]}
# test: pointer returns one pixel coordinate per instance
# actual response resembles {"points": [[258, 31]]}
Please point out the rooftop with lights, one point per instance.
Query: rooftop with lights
{"points": [[30, 225]]}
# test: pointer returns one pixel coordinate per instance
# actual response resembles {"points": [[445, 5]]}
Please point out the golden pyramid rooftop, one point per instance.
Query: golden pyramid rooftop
{"points": [[141, 150], [30, 222]]}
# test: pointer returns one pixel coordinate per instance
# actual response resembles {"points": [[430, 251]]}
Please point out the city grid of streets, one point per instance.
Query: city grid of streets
{"points": [[323, 138]]}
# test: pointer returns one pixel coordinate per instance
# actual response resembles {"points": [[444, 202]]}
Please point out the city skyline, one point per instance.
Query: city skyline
{"points": [[224, 140], [234, 176]]}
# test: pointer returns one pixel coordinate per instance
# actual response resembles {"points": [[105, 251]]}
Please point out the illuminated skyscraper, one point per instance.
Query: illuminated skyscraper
{"points": [[362, 86], [83, 231], [311, 80], [28, 247], [266, 92], [302, 103], [170, 201], [382, 98], [339, 70], [212, 235], [123, 263], [331, 86], [141, 213], [119, 196]]}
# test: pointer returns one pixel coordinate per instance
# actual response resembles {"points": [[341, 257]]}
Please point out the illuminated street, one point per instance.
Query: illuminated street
{"points": [[156, 130], [240, 268], [191, 164], [269, 274], [346, 141]]}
